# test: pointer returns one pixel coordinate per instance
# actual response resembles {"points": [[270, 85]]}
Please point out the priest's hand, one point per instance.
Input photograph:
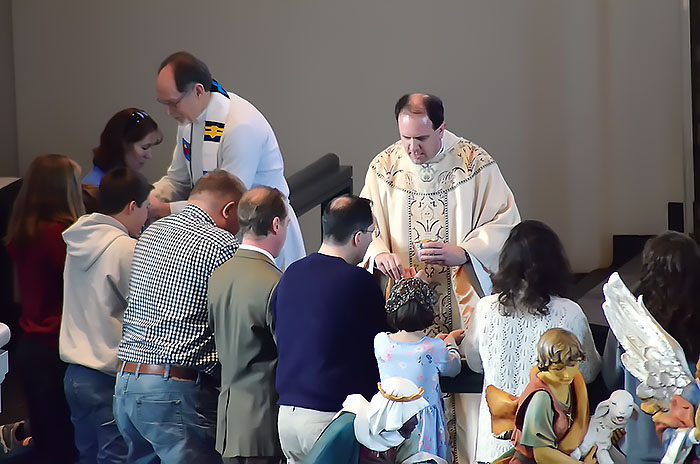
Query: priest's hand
{"points": [[157, 209], [390, 265], [441, 253]]}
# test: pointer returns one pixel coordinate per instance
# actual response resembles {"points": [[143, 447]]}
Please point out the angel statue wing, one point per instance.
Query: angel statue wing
{"points": [[651, 354]]}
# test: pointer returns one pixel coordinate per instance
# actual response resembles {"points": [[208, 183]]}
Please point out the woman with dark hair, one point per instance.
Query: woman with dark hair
{"points": [[531, 286], [670, 289], [48, 202], [126, 140]]}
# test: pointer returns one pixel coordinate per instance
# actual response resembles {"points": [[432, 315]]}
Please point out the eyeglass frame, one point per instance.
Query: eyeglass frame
{"points": [[173, 104]]}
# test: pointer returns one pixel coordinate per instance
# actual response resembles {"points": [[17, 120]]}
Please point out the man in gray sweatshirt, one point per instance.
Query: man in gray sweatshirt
{"points": [[99, 250]]}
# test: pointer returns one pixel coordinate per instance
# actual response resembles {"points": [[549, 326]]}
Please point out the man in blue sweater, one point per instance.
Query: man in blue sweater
{"points": [[326, 312]]}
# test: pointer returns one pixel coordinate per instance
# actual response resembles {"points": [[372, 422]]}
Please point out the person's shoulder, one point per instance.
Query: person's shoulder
{"points": [[474, 157], [363, 277], [487, 301], [387, 158], [381, 338], [244, 115], [123, 244], [216, 237], [54, 227], [565, 306]]}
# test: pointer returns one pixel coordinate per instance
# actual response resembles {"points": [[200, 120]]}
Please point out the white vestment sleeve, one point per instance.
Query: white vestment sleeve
{"points": [[494, 214], [471, 338], [381, 240]]}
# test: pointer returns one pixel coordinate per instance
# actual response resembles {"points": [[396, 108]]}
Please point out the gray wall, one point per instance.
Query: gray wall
{"points": [[579, 102]]}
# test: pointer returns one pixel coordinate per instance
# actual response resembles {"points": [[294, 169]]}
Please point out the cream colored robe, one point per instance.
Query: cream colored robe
{"points": [[469, 204]]}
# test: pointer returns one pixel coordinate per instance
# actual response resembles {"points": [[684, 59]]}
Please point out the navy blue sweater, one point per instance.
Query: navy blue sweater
{"points": [[326, 314]]}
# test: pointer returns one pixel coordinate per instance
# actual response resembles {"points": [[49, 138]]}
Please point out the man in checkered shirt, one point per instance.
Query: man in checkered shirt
{"points": [[165, 395]]}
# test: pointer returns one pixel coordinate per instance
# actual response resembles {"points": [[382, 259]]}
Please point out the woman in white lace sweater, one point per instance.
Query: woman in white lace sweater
{"points": [[501, 339]]}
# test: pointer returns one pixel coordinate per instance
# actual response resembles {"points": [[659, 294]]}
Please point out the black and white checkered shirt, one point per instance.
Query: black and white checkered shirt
{"points": [[166, 318]]}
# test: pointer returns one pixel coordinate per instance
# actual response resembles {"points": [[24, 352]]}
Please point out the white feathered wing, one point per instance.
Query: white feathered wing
{"points": [[651, 354]]}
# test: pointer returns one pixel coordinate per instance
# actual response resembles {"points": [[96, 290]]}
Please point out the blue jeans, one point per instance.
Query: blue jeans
{"points": [[90, 395], [166, 420]]}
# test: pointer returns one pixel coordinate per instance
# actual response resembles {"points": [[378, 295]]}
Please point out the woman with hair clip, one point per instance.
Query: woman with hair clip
{"points": [[533, 279], [48, 202], [126, 140], [670, 289]]}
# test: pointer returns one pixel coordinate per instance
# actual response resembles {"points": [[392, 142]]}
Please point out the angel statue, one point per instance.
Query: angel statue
{"points": [[667, 389], [549, 420]]}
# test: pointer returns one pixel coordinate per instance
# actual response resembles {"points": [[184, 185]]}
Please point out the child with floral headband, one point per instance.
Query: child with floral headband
{"points": [[410, 354]]}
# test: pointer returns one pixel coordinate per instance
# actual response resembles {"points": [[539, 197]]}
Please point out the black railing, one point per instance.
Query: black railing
{"points": [[318, 183]]}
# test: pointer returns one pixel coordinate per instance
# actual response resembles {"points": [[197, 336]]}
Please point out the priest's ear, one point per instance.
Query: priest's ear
{"points": [[441, 130], [198, 90]]}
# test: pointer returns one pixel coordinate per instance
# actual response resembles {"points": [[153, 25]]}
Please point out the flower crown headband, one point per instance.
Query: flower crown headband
{"points": [[408, 289]]}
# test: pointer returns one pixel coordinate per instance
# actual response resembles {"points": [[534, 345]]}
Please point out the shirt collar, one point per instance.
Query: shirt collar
{"points": [[245, 246], [197, 213]]}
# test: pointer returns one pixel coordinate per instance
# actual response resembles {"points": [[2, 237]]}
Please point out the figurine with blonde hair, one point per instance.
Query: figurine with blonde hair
{"points": [[549, 420]]}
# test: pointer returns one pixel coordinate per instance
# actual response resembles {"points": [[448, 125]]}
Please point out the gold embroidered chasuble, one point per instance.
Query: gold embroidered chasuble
{"points": [[467, 203]]}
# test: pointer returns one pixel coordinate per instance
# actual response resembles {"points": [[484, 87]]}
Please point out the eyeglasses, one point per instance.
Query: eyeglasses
{"points": [[173, 104], [369, 230]]}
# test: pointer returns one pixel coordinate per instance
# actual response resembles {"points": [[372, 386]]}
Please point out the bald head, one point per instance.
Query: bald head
{"points": [[258, 209], [421, 104]]}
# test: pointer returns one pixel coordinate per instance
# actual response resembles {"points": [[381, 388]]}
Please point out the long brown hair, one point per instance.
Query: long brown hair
{"points": [[670, 287], [50, 193]]}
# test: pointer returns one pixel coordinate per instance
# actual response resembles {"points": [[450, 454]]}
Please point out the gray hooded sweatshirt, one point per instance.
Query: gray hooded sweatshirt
{"points": [[99, 251]]}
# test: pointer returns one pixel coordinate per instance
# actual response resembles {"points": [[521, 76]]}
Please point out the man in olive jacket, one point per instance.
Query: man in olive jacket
{"points": [[239, 291]]}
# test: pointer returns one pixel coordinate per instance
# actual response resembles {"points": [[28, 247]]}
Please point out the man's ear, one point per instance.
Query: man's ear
{"points": [[130, 207], [276, 225], [199, 89], [226, 210], [356, 238]]}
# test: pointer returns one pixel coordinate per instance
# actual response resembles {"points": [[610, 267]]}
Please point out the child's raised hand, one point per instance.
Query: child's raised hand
{"points": [[456, 335], [441, 336], [409, 272]]}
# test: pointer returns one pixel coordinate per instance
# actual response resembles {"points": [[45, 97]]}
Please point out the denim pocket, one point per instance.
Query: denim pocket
{"points": [[160, 420]]}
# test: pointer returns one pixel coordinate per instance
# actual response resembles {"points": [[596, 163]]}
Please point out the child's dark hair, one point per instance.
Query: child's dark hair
{"points": [[410, 305], [532, 267]]}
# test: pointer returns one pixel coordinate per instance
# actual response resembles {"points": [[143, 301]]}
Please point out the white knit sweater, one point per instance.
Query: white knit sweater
{"points": [[506, 347]]}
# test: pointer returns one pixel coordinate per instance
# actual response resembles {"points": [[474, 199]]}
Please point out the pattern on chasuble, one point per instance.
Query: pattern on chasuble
{"points": [[430, 206]]}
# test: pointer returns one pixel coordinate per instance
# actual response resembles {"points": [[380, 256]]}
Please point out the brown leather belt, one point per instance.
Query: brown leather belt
{"points": [[176, 372]]}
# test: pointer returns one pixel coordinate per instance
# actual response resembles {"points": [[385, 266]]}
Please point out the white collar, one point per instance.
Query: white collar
{"points": [[246, 246]]}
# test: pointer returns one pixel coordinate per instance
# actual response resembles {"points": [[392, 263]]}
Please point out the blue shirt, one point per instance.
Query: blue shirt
{"points": [[326, 314], [94, 177]]}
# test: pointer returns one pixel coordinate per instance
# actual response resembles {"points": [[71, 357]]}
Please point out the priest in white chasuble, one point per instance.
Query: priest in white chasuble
{"points": [[441, 205]]}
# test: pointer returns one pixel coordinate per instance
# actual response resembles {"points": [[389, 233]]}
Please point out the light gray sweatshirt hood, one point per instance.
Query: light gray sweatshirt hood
{"points": [[90, 236]]}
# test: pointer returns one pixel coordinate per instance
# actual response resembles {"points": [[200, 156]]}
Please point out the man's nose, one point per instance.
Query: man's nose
{"points": [[413, 145]]}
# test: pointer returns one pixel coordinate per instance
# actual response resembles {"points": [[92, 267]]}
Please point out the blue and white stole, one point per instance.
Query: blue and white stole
{"points": [[208, 143]]}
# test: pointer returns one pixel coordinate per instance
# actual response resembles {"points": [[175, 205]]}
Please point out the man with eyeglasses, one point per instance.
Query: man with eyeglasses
{"points": [[326, 311], [217, 130], [442, 206]]}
